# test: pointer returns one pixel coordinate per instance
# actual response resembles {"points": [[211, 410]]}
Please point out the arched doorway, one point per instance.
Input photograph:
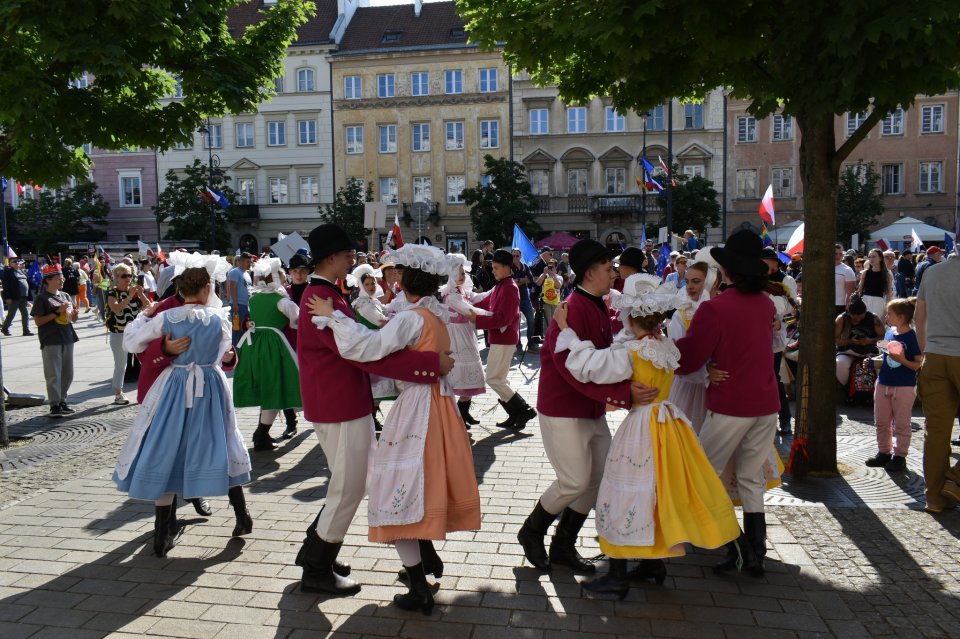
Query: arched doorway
{"points": [[616, 238], [249, 244]]}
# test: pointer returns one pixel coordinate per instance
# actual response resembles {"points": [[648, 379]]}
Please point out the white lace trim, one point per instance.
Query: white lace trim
{"points": [[216, 265], [430, 303], [661, 352], [264, 287], [428, 259], [267, 266], [192, 313]]}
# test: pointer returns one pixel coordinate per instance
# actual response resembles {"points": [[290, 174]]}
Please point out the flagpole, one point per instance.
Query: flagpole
{"points": [[643, 173], [669, 184], [3, 220]]}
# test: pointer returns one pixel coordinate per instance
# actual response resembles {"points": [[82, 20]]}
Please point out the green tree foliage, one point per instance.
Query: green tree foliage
{"points": [[810, 59], [506, 201], [132, 52], [859, 201], [42, 222], [188, 214], [695, 203], [347, 209]]}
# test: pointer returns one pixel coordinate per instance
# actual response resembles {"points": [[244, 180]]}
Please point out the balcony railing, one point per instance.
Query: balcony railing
{"points": [[596, 204], [244, 212]]}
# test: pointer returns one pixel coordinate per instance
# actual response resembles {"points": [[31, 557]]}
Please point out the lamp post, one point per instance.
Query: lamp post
{"points": [[643, 176], [213, 168], [669, 184]]}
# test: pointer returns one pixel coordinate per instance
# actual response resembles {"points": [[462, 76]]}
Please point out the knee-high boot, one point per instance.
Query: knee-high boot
{"points": [[755, 529], [262, 440], [614, 582], [563, 548], [163, 538], [290, 415], [311, 540], [419, 595], [244, 520], [432, 564], [531, 537], [464, 407]]}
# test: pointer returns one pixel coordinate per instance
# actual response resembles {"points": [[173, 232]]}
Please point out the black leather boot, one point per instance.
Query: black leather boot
{"points": [[244, 520], [202, 506], [614, 582], [173, 524], [318, 573], [531, 537], [163, 539], [262, 440], [418, 597], [520, 412], [755, 525], [509, 422], [649, 569], [432, 564], [468, 419], [739, 556], [313, 540], [290, 415], [563, 548]]}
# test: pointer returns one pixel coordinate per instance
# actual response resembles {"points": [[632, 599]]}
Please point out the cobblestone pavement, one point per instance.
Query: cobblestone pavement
{"points": [[850, 557]]}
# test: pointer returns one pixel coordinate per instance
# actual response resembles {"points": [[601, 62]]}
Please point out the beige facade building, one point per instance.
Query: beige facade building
{"points": [[415, 110], [915, 150], [583, 159]]}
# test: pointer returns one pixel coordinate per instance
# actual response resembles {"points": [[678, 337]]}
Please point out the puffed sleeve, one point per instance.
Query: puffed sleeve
{"points": [[358, 343], [139, 333], [588, 364], [290, 309]]}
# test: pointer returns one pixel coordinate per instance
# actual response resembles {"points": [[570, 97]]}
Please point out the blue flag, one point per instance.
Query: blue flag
{"points": [[649, 182], [3, 184], [643, 236], [664, 258], [528, 251], [947, 242], [222, 199]]}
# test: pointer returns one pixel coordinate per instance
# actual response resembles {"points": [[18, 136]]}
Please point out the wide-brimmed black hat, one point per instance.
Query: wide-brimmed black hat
{"points": [[299, 260], [742, 254], [327, 239], [633, 257], [503, 256], [769, 253], [585, 253]]}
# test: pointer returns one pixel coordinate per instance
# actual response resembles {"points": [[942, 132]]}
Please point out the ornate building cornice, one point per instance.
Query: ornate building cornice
{"points": [[420, 101]]}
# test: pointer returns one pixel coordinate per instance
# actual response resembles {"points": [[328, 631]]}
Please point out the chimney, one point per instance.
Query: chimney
{"points": [[417, 6]]}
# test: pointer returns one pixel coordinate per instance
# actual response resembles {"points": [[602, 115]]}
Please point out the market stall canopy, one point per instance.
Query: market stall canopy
{"points": [[901, 229], [558, 241]]}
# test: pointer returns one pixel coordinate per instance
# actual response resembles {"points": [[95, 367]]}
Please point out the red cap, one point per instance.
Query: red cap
{"points": [[51, 269], [933, 250]]}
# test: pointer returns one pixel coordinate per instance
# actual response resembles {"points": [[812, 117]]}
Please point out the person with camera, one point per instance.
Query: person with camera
{"points": [[124, 303], [550, 285]]}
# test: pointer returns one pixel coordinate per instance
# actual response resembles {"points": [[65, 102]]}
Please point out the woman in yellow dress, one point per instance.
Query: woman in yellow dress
{"points": [[659, 490]]}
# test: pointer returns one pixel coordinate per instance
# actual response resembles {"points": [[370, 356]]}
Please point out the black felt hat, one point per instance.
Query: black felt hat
{"points": [[742, 254], [633, 257], [299, 260], [503, 256], [327, 239], [585, 253]]}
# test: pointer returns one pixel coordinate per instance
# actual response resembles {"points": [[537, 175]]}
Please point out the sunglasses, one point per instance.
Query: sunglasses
{"points": [[125, 277]]}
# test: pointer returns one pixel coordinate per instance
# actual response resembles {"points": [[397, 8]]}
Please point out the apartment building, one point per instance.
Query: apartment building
{"points": [[415, 110]]}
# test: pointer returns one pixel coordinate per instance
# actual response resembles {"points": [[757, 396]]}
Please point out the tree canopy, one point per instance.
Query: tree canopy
{"points": [[695, 203], [347, 209], [40, 222], [505, 201], [188, 215], [96, 71], [859, 202], [811, 59]]}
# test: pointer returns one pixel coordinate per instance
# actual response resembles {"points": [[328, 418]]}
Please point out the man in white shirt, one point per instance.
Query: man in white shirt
{"points": [[845, 279]]}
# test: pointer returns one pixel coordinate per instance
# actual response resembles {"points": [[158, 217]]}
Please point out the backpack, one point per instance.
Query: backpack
{"points": [[863, 378]]}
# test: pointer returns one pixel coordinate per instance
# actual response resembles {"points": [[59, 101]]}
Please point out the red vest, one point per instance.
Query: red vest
{"points": [[504, 303]]}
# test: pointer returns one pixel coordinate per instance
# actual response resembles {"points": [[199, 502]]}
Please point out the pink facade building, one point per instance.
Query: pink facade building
{"points": [[127, 180]]}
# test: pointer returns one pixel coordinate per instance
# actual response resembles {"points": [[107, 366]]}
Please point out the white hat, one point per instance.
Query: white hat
{"points": [[216, 266], [643, 294], [267, 266], [355, 277], [428, 259]]}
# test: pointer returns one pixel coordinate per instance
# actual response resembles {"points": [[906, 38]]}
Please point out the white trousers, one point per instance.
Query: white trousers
{"points": [[499, 358], [346, 446], [577, 449], [749, 437]]}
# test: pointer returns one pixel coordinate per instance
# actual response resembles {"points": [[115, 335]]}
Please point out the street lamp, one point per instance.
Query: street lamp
{"points": [[213, 167]]}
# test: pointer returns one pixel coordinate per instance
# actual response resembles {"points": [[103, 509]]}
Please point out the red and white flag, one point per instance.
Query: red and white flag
{"points": [[159, 254], [795, 244], [883, 245], [394, 234], [767, 213], [916, 243]]}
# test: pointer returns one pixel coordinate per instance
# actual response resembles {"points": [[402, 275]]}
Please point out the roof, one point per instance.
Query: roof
{"points": [[398, 27], [317, 29]]}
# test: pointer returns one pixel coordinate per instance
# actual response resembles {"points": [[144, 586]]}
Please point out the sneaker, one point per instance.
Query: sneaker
{"points": [[896, 464], [66, 410], [121, 400], [951, 490], [56, 412], [880, 461]]}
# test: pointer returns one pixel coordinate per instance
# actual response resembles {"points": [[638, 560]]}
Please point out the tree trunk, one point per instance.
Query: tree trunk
{"points": [[817, 345]]}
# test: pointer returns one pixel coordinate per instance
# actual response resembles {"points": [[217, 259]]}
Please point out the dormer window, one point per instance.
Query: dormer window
{"points": [[392, 36], [458, 33]]}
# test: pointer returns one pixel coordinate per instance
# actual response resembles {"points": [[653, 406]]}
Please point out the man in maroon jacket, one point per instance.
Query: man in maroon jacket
{"points": [[338, 400], [572, 416], [503, 330]]}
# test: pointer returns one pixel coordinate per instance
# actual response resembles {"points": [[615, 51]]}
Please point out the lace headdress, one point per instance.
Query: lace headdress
{"points": [[643, 295]]}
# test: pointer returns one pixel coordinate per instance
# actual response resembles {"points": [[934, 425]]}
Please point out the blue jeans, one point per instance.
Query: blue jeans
{"points": [[526, 309]]}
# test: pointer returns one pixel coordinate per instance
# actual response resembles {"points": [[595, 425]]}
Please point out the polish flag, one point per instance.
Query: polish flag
{"points": [[159, 254], [394, 234], [766, 207], [19, 189], [917, 243], [795, 245], [883, 245]]}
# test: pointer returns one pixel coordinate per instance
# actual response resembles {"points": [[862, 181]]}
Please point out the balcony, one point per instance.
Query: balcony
{"points": [[245, 212], [597, 205]]}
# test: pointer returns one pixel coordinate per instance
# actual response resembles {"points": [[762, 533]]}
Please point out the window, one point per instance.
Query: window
{"points": [[186, 146], [354, 139], [693, 115], [352, 87], [420, 83], [247, 190], [307, 131], [214, 137], [782, 180], [388, 138], [539, 121], [931, 119], [854, 120], [422, 189], [453, 81], [278, 191], [576, 119], [893, 123], [392, 35], [388, 190], [130, 194], [454, 137], [746, 129], [747, 183], [539, 181], [386, 85], [576, 181], [244, 134], [488, 80], [278, 84], [930, 173], [83, 83], [616, 180], [305, 80], [88, 149], [486, 180], [489, 134], [891, 179], [614, 120], [177, 87], [276, 133], [455, 186], [782, 127], [309, 191], [656, 120], [694, 170], [421, 136]]}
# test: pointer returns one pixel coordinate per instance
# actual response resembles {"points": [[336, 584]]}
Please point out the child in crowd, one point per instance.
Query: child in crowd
{"points": [[896, 388], [372, 314]]}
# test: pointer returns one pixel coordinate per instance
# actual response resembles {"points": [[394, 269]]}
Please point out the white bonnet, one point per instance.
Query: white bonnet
{"points": [[216, 265], [643, 294], [428, 259], [266, 266], [355, 277]]}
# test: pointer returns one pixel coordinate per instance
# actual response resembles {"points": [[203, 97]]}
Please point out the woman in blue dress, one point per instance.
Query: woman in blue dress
{"points": [[185, 438]]}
